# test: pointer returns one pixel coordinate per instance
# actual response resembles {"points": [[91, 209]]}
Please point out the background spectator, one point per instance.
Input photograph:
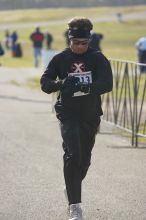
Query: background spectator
{"points": [[13, 40], [49, 40], [1, 50], [37, 39], [7, 39], [141, 51], [95, 41], [18, 50], [119, 17]]}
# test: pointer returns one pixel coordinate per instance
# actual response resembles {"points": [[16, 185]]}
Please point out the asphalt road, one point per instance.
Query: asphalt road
{"points": [[31, 176]]}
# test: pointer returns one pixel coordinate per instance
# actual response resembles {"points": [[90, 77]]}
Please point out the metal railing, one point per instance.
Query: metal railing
{"points": [[125, 106]]}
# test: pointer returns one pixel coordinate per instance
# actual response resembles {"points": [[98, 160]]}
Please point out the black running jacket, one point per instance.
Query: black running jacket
{"points": [[66, 62]]}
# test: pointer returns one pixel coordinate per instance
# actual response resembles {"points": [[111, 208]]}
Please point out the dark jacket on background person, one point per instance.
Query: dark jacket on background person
{"points": [[95, 40], [2, 52], [49, 39], [87, 106], [14, 37], [37, 38]]}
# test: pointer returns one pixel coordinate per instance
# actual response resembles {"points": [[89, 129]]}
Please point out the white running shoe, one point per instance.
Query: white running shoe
{"points": [[75, 212]]}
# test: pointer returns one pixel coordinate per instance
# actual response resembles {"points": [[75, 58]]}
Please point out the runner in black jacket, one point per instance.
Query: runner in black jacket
{"points": [[81, 75]]}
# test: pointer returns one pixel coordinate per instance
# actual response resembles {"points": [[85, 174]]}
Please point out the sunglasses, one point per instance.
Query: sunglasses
{"points": [[81, 42]]}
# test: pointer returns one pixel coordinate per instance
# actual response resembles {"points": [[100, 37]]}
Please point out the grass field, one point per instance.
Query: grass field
{"points": [[118, 42]]}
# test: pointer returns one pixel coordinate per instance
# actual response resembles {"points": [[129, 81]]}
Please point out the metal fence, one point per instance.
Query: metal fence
{"points": [[125, 106]]}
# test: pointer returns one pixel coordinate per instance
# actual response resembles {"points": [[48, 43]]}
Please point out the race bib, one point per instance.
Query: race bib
{"points": [[85, 78]]}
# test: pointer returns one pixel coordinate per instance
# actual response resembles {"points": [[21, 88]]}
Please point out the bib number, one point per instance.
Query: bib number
{"points": [[85, 78]]}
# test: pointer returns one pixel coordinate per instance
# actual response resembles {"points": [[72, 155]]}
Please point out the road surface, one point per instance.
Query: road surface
{"points": [[31, 176]]}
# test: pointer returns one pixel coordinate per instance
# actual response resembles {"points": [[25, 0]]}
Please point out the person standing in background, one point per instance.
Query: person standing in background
{"points": [[37, 38], [49, 40], [95, 41], [13, 40], [141, 51], [2, 52], [7, 39]]}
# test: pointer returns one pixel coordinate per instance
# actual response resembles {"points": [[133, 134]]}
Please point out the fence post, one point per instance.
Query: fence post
{"points": [[135, 122]]}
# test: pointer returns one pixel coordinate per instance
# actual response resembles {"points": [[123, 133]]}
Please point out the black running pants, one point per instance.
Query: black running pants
{"points": [[78, 141]]}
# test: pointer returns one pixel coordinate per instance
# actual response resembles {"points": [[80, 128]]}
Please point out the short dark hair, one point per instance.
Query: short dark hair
{"points": [[80, 23]]}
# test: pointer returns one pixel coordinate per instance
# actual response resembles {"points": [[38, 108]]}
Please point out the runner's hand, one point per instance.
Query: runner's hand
{"points": [[70, 81], [85, 88], [69, 85]]}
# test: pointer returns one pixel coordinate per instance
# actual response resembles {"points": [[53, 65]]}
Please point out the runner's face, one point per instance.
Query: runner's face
{"points": [[79, 45]]}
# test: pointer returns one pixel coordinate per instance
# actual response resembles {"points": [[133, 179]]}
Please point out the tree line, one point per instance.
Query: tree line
{"points": [[24, 4]]}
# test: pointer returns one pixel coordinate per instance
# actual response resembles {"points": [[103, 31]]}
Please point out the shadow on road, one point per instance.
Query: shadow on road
{"points": [[127, 147]]}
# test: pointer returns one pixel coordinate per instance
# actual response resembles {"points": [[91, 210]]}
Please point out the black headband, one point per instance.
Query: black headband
{"points": [[78, 33]]}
